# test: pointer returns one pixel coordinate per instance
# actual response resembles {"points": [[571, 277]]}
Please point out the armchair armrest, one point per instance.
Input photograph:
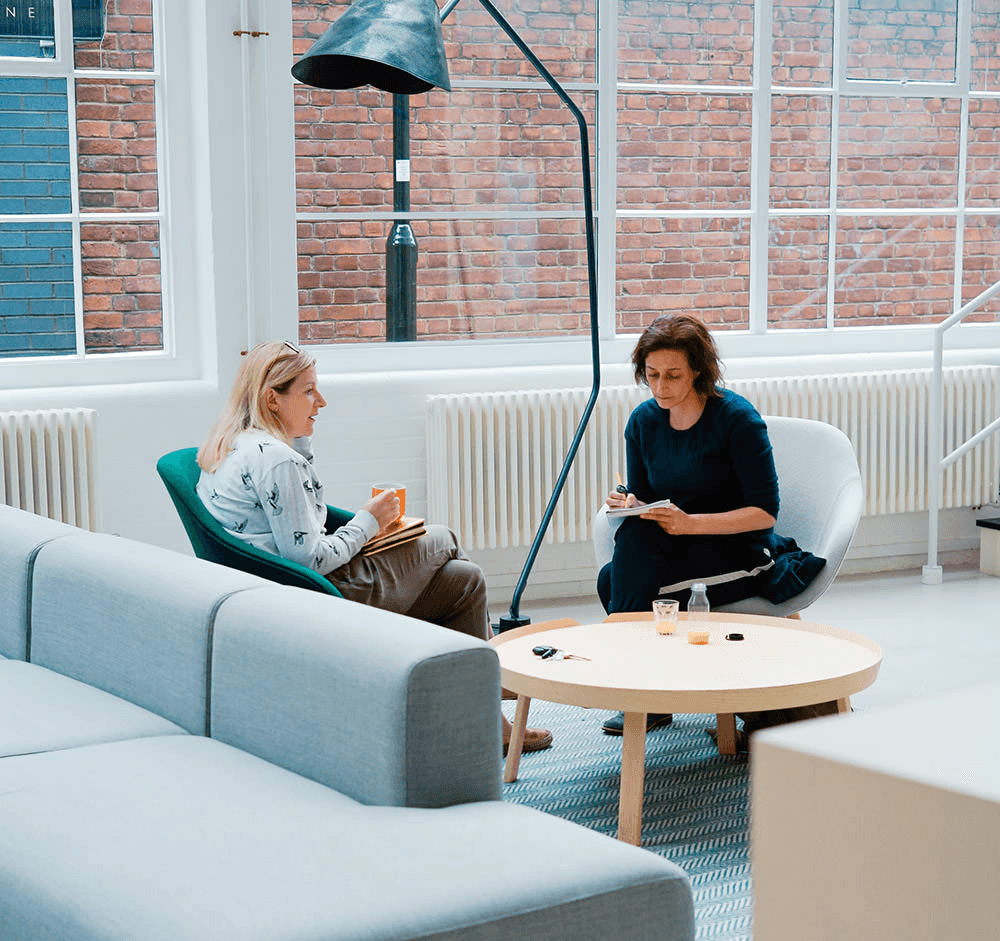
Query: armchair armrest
{"points": [[381, 707], [604, 530], [336, 517]]}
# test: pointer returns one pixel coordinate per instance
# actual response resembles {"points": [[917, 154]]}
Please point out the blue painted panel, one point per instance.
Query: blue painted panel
{"points": [[37, 314], [33, 147]]}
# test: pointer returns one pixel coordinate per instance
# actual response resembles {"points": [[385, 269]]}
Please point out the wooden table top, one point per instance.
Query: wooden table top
{"points": [[781, 663]]}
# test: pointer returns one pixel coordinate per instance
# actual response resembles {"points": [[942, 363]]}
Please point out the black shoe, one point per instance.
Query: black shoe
{"points": [[616, 724]]}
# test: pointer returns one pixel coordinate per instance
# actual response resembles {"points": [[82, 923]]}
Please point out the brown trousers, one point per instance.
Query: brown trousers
{"points": [[431, 579]]}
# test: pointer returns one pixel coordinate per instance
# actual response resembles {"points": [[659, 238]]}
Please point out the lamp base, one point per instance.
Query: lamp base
{"points": [[508, 623]]}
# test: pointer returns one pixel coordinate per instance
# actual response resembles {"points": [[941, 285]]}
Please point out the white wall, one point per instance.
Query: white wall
{"points": [[374, 428]]}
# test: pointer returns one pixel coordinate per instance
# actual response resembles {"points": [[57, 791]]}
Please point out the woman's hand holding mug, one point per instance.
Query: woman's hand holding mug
{"points": [[385, 507]]}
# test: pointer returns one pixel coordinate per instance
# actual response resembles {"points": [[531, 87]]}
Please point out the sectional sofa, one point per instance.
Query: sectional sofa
{"points": [[190, 752]]}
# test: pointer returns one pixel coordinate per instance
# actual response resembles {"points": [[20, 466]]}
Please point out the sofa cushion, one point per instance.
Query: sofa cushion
{"points": [[131, 619], [42, 711], [160, 839], [23, 534], [382, 707]]}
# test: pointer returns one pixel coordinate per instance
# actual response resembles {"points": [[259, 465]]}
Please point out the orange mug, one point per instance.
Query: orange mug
{"points": [[400, 492]]}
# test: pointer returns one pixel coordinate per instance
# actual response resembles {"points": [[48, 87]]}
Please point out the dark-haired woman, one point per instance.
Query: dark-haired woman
{"points": [[705, 449]]}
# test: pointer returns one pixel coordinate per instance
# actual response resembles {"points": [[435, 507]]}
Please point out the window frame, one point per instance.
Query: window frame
{"points": [[181, 231]]}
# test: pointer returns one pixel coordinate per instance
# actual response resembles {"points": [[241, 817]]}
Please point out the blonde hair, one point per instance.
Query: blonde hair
{"points": [[272, 365]]}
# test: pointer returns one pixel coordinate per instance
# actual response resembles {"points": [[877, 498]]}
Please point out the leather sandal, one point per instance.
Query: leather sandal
{"points": [[616, 724], [534, 740]]}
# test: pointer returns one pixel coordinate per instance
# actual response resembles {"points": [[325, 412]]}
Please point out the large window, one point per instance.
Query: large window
{"points": [[80, 206], [784, 165], [495, 185]]}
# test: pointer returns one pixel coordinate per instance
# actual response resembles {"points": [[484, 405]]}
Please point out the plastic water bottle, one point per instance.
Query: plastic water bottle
{"points": [[698, 602]]}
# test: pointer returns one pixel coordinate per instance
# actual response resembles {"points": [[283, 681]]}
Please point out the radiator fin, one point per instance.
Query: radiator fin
{"points": [[493, 458]]}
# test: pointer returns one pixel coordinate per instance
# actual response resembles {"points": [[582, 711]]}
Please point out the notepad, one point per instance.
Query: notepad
{"points": [[404, 530], [635, 510]]}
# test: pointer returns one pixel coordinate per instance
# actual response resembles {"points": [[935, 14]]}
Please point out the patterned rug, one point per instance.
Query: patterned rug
{"points": [[694, 812]]}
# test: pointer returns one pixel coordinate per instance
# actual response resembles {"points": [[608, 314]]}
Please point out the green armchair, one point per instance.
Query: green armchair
{"points": [[179, 472]]}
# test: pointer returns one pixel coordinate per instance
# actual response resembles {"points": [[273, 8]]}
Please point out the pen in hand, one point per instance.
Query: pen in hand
{"points": [[621, 488]]}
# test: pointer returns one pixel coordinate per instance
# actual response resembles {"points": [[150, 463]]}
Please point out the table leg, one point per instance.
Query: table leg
{"points": [[726, 733], [844, 705], [632, 778], [516, 739]]}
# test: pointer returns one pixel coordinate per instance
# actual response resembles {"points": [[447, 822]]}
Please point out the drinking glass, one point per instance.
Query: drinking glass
{"points": [[665, 615]]}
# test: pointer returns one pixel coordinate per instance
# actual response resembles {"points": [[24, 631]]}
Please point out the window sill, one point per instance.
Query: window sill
{"points": [[851, 349]]}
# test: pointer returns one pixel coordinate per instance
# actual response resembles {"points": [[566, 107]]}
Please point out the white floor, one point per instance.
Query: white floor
{"points": [[934, 638]]}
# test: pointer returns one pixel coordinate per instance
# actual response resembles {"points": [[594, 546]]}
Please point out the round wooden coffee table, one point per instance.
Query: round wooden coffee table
{"points": [[780, 663]]}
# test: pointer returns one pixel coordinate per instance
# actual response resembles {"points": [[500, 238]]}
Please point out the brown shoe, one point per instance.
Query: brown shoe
{"points": [[534, 740]]}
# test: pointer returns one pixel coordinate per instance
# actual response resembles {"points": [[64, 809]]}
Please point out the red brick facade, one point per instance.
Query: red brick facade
{"points": [[480, 150]]}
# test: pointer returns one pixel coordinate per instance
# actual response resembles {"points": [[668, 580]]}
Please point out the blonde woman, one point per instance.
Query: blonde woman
{"points": [[258, 481]]}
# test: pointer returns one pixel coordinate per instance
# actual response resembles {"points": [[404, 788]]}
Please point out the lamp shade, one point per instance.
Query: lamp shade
{"points": [[395, 45]]}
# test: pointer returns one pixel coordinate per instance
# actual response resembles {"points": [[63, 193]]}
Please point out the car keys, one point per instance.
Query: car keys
{"points": [[546, 652]]}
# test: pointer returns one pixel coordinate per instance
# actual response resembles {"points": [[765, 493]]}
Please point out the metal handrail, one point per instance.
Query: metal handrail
{"points": [[931, 574]]}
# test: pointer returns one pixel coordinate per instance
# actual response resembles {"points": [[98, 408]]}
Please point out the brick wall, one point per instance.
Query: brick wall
{"points": [[487, 148], [696, 264], [473, 149], [34, 145], [128, 38], [116, 129], [475, 279], [36, 289], [901, 39]]}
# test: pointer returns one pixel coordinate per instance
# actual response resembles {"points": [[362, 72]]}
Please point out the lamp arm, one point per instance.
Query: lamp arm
{"points": [[514, 619]]}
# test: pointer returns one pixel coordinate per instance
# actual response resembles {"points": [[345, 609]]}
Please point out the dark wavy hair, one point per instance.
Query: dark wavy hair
{"points": [[689, 335]]}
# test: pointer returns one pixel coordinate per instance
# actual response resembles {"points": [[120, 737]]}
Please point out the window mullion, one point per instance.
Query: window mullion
{"points": [[163, 195], [839, 73], [606, 184], [65, 56], [963, 74], [760, 162]]}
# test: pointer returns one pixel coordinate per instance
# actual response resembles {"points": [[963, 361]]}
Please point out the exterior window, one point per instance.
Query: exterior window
{"points": [[875, 218], [872, 214], [80, 266], [494, 185]]}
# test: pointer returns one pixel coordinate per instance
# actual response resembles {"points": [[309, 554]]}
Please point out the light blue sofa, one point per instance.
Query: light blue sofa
{"points": [[189, 753]]}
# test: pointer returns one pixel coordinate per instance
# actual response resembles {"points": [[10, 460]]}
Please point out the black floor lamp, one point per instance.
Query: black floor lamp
{"points": [[397, 46]]}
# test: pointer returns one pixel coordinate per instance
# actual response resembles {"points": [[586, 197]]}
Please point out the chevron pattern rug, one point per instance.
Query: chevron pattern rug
{"points": [[695, 811]]}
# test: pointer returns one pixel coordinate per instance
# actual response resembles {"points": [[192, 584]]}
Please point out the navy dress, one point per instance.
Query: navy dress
{"points": [[722, 462]]}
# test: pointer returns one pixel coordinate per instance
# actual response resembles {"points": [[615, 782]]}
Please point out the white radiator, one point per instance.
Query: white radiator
{"points": [[47, 464], [493, 458]]}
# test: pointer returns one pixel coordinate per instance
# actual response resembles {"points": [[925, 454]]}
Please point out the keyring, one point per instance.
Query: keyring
{"points": [[545, 652]]}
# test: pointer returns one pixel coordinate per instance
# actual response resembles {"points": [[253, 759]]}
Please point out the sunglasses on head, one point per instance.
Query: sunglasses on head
{"points": [[284, 343]]}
